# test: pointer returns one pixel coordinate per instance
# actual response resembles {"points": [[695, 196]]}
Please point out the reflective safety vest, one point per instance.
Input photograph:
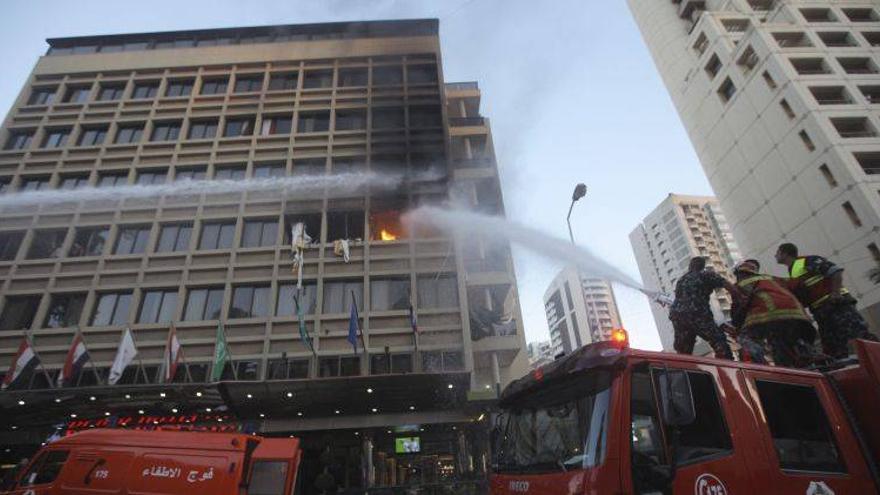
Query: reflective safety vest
{"points": [[812, 289], [769, 301]]}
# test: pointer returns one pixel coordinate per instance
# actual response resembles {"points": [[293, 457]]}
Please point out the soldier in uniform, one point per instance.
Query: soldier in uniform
{"points": [[818, 284], [690, 313]]}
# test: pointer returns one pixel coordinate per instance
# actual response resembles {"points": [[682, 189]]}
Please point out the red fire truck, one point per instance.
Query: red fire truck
{"points": [[116, 461], [608, 419]]}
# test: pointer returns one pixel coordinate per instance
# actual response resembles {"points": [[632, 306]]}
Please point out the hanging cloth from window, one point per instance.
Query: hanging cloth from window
{"points": [[342, 247], [300, 238]]}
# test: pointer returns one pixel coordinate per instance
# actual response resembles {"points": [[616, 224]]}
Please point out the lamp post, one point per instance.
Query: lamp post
{"points": [[580, 191]]}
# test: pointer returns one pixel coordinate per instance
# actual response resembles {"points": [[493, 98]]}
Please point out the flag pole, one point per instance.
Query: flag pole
{"points": [[229, 354], [91, 361], [140, 359], [358, 324], [27, 336]]}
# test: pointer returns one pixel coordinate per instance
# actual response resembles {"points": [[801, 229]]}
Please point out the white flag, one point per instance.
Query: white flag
{"points": [[124, 356]]}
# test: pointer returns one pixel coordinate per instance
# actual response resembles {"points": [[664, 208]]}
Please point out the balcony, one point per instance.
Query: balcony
{"points": [[687, 7], [467, 121]]}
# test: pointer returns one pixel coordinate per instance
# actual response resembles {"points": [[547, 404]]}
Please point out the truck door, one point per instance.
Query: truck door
{"points": [[41, 475], [813, 449], [706, 461], [95, 471]]}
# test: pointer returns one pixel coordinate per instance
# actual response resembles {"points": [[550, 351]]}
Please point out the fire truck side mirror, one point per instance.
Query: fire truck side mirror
{"points": [[677, 402]]}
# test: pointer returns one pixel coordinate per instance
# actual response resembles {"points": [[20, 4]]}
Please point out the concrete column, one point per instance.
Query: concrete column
{"points": [[496, 373], [369, 474]]}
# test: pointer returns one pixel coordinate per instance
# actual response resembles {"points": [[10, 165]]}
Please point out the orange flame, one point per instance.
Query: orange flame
{"points": [[387, 236]]}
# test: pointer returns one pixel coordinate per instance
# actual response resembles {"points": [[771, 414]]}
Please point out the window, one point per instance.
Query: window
{"points": [[42, 96], [352, 77], [283, 81], [803, 441], [64, 310], [111, 92], [313, 122], [71, 182], [810, 66], [93, 136], [349, 164], [202, 129], [310, 166], [647, 430], [190, 173], [786, 108], [851, 214], [313, 79], [701, 44], [259, 233], [112, 309], [339, 366], [836, 39], [248, 83], [861, 15], [387, 75], [241, 370], [280, 369], [869, 161], [421, 74], [830, 95], [437, 291], [267, 170], [204, 304], [388, 118], [45, 469], [748, 60], [769, 80], [241, 126], [143, 90], [165, 131], [18, 312], [182, 87], [158, 306], [56, 138], [351, 120], [829, 177], [132, 240], [808, 143], [286, 293], [152, 177], [854, 127], [338, 294], [792, 40], [19, 140], [726, 90], [818, 15], [872, 37], [268, 478], [129, 133], [857, 65], [214, 86], [112, 179], [232, 172], [9, 244], [46, 244], [77, 94], [735, 25], [425, 116], [345, 225], [217, 235], [871, 93], [399, 363], [89, 241], [174, 237], [437, 361], [389, 294], [276, 125], [249, 302], [311, 221]]}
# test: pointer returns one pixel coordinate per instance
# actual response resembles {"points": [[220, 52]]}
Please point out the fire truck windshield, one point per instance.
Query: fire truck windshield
{"points": [[559, 436]]}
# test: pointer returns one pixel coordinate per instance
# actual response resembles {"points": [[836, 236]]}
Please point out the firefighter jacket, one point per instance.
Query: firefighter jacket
{"points": [[811, 280], [762, 300]]}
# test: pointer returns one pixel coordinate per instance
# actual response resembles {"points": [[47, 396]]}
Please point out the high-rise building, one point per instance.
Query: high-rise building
{"points": [[580, 310], [780, 101], [313, 108], [680, 228], [540, 353]]}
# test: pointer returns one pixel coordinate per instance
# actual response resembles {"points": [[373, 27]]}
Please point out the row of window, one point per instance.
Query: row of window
{"points": [[247, 301], [855, 14], [207, 128], [241, 83]]}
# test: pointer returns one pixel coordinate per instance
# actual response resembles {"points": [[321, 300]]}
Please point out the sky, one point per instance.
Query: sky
{"points": [[570, 89]]}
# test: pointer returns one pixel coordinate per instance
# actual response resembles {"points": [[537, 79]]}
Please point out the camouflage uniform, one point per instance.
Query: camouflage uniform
{"points": [[692, 317]]}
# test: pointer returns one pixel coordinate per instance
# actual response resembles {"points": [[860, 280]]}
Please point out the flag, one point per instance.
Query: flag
{"points": [[173, 353], [413, 322], [300, 314], [125, 354], [353, 328], [25, 360], [221, 354], [77, 356]]}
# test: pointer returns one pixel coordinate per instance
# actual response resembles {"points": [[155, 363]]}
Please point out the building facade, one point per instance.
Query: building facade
{"points": [[580, 310], [680, 228], [780, 101], [328, 105], [540, 353]]}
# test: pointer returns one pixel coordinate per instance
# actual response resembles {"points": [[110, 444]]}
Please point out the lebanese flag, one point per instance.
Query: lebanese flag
{"points": [[24, 360], [76, 358], [173, 353]]}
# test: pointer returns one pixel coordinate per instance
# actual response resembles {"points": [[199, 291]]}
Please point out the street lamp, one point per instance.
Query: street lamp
{"points": [[580, 191]]}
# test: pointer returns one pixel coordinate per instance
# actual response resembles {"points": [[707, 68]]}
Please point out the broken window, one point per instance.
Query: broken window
{"points": [[313, 122], [18, 312], [89, 241], [263, 232], [112, 309], [437, 291], [9, 244], [276, 124], [204, 304], [385, 219], [249, 301], [345, 225], [338, 295], [132, 240], [389, 294], [239, 126], [490, 311], [286, 293], [311, 221], [46, 244]]}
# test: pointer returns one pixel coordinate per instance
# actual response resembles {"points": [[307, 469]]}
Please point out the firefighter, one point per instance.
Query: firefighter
{"points": [[818, 283], [765, 310], [690, 313]]}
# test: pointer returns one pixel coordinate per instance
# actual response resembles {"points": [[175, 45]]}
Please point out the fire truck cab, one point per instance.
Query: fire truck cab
{"points": [[109, 461], [612, 420]]}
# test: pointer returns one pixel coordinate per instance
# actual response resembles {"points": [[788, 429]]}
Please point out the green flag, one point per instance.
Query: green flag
{"points": [[300, 313], [221, 354]]}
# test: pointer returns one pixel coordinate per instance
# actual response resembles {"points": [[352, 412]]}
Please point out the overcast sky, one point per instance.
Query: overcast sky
{"points": [[571, 91]]}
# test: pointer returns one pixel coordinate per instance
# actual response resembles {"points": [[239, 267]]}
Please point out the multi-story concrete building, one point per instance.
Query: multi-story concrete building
{"points": [[780, 101], [540, 353], [680, 228], [580, 310], [286, 103]]}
